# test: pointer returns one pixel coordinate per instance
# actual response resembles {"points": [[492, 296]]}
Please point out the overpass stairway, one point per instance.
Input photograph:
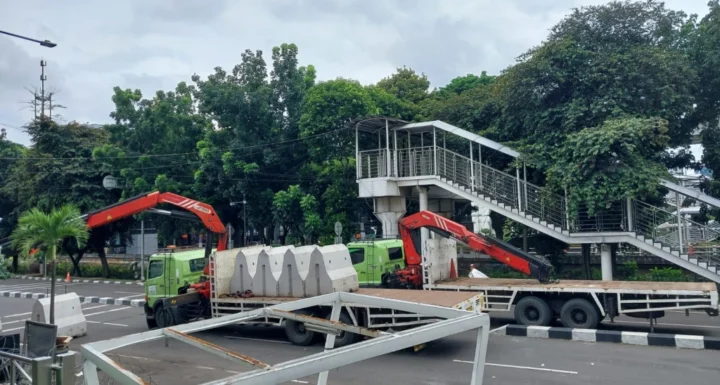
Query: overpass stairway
{"points": [[652, 229]]}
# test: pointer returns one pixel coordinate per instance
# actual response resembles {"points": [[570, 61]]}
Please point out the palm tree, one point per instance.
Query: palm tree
{"points": [[37, 228]]}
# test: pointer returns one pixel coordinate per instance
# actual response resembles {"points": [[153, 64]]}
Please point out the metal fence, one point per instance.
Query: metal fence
{"points": [[19, 369]]}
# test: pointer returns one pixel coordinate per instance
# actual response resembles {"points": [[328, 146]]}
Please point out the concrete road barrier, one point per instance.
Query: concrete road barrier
{"points": [[245, 266], [263, 282], [303, 257], [613, 336], [69, 317], [338, 273], [285, 271]]}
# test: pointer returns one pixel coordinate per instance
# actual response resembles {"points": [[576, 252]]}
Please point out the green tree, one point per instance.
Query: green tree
{"points": [[297, 213], [614, 160], [153, 146], [49, 230], [407, 85], [58, 169], [9, 153]]}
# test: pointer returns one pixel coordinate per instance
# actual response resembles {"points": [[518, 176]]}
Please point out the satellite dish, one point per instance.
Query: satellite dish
{"points": [[110, 182]]}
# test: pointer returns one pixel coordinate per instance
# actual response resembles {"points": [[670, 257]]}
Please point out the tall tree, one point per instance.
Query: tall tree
{"points": [[49, 230], [58, 169]]}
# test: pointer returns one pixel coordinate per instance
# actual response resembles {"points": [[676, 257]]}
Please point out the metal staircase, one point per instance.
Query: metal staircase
{"points": [[652, 229]]}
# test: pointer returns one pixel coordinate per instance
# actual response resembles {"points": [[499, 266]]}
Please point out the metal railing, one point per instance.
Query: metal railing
{"points": [[40, 370], [676, 233], [537, 202]]}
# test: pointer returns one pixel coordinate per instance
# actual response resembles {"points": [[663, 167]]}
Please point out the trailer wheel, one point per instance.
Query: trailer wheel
{"points": [[533, 311], [149, 319], [297, 333], [345, 338], [579, 313]]}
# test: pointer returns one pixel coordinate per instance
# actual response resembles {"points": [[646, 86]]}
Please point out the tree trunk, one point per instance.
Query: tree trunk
{"points": [[103, 260], [76, 264], [15, 263], [52, 284]]}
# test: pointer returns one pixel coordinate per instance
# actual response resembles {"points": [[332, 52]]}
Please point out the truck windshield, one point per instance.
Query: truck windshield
{"points": [[197, 264], [395, 253], [357, 256]]}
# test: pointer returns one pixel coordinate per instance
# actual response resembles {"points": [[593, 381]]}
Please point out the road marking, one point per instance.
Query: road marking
{"points": [[108, 311], [130, 296], [9, 330], [94, 307], [16, 315], [258, 339], [664, 324], [204, 367], [112, 324], [521, 367], [139, 358], [128, 292], [12, 322]]}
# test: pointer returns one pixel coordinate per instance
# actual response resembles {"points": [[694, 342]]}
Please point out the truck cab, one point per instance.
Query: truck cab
{"points": [[375, 259], [169, 272]]}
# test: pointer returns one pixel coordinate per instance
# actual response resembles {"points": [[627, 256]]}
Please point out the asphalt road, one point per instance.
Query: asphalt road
{"points": [[82, 289], [511, 360]]}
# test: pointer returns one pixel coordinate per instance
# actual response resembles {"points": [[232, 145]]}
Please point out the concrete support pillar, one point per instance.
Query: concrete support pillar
{"points": [[424, 233], [586, 260], [606, 262], [388, 211], [481, 218]]}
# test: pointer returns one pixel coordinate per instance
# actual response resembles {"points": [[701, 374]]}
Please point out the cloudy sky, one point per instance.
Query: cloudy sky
{"points": [[154, 44]]}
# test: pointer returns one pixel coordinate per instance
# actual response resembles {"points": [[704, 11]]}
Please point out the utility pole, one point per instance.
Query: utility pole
{"points": [[43, 63], [244, 221]]}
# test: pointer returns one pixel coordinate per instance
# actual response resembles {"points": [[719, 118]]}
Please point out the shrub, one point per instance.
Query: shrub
{"points": [[665, 274], [4, 273]]}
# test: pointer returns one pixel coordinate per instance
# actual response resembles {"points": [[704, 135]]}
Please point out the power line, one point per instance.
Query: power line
{"points": [[262, 145]]}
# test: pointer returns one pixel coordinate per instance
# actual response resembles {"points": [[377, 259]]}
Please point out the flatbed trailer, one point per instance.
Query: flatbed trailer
{"points": [[222, 303], [581, 303]]}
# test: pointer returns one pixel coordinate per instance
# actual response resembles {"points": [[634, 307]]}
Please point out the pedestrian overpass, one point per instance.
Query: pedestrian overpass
{"points": [[437, 162]]}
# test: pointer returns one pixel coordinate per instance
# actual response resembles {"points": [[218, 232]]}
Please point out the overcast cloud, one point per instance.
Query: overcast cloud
{"points": [[154, 44]]}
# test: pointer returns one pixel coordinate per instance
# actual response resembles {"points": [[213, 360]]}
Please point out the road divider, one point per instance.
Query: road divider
{"points": [[69, 316], [682, 341], [98, 300], [78, 280]]}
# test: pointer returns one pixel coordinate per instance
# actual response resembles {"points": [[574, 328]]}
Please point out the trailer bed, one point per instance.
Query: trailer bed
{"points": [[436, 298], [638, 287]]}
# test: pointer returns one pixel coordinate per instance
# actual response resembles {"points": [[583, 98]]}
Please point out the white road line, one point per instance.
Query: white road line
{"points": [[521, 367], [130, 296], [9, 330], [112, 324], [94, 307], [128, 292], [93, 322], [258, 339], [108, 311], [13, 322], [16, 315], [300, 382], [664, 324], [204, 367]]}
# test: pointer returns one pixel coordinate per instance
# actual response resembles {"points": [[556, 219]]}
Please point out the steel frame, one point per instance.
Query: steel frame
{"points": [[453, 321]]}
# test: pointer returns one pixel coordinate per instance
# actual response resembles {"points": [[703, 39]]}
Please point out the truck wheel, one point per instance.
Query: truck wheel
{"points": [[151, 323], [579, 313], [345, 338], [533, 311], [163, 317], [296, 332]]}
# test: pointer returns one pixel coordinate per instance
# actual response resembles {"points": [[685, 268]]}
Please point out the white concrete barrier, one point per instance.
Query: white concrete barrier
{"points": [[337, 272], [245, 266], [263, 282], [303, 257], [285, 271], [69, 317]]}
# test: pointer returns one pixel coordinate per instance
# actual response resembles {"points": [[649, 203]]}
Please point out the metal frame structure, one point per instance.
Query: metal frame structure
{"points": [[455, 321]]}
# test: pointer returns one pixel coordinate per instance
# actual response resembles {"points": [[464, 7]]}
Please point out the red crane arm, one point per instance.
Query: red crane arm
{"points": [[495, 248], [143, 202]]}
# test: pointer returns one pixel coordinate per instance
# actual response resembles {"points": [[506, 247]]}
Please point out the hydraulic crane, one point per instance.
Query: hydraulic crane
{"points": [[501, 251]]}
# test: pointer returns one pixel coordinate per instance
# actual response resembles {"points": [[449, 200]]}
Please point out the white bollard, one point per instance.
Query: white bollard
{"points": [[69, 317]]}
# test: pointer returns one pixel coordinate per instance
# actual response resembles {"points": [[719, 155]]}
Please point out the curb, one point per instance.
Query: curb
{"points": [[682, 341], [98, 300], [79, 280]]}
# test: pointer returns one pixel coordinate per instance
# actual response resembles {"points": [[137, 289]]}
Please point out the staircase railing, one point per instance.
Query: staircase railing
{"points": [[534, 201], [677, 234]]}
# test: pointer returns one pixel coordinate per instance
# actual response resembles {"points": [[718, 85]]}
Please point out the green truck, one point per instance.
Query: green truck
{"points": [[170, 273]]}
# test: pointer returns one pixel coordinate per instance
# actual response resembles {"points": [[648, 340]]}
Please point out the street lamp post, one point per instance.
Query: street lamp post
{"points": [[244, 203], [44, 43]]}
